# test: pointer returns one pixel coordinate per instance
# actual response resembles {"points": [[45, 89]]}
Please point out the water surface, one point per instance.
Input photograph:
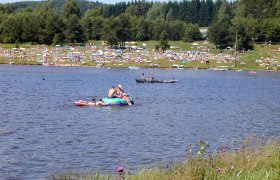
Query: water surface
{"points": [[42, 132]]}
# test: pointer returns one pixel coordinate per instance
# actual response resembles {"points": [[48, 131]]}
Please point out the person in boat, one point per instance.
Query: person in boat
{"points": [[152, 78], [119, 91], [121, 94], [143, 77], [112, 92]]}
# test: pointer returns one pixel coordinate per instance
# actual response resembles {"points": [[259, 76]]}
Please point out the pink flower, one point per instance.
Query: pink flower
{"points": [[120, 169]]}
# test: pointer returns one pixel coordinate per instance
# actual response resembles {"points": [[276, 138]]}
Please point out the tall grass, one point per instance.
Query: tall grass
{"points": [[252, 160], [247, 162]]}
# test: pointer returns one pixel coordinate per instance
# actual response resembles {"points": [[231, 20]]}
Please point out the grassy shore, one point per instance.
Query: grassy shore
{"points": [[257, 162], [249, 57]]}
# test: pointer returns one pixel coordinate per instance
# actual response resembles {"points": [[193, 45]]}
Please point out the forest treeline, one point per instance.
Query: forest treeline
{"points": [[68, 21]]}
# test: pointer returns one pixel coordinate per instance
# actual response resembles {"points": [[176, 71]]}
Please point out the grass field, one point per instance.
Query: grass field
{"points": [[249, 57]]}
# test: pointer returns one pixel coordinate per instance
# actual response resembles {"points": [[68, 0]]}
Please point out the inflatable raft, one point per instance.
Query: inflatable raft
{"points": [[106, 102], [115, 101], [84, 103]]}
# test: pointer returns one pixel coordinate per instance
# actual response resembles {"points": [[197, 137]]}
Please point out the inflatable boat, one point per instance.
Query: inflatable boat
{"points": [[84, 103], [116, 102]]}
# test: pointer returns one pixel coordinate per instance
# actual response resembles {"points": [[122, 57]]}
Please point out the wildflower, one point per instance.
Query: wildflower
{"points": [[219, 170], [222, 150], [120, 169]]}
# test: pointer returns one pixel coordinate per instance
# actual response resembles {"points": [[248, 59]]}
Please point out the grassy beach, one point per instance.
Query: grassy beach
{"points": [[244, 60], [256, 161]]}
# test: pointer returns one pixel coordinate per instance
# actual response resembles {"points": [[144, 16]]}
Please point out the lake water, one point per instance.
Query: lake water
{"points": [[42, 132]]}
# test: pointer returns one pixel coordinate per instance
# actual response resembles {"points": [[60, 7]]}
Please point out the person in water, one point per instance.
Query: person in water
{"points": [[93, 100], [112, 92], [97, 103]]}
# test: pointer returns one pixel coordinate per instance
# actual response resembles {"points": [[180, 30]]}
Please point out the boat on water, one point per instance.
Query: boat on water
{"points": [[155, 81], [216, 69], [133, 67]]}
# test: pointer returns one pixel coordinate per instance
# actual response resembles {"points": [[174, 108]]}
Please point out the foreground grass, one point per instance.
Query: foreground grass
{"points": [[258, 163]]}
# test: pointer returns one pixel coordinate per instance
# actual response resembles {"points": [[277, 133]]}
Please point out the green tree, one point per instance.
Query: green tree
{"points": [[157, 26], [48, 23], [176, 29], [219, 32], [163, 41], [193, 13], [271, 29], [70, 7], [156, 11], [73, 30], [29, 27], [277, 7], [92, 25], [192, 33], [170, 15], [132, 10], [108, 32], [246, 30], [12, 28], [143, 29], [123, 29]]}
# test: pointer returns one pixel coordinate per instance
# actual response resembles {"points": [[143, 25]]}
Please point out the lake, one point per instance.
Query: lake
{"points": [[43, 132]]}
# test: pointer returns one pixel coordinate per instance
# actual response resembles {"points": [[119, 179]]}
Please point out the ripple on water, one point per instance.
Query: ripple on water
{"points": [[43, 132]]}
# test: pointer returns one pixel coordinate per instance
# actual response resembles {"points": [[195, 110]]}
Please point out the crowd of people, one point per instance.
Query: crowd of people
{"points": [[78, 55]]}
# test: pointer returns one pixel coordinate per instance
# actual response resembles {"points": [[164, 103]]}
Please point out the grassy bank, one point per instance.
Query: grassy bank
{"points": [[248, 58], [256, 162]]}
